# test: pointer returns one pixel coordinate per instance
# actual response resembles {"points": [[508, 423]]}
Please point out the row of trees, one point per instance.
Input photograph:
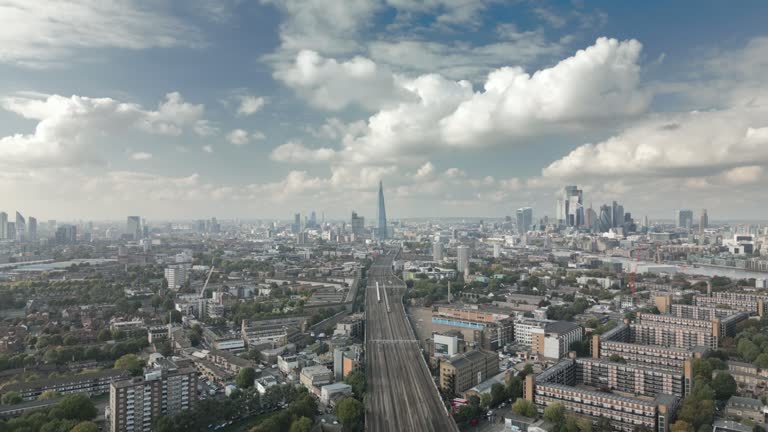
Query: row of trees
{"points": [[73, 413]]}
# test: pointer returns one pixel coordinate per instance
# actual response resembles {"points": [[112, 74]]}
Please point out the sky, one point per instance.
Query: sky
{"points": [[261, 109]]}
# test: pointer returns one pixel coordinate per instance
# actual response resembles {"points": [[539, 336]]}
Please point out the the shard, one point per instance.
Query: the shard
{"points": [[382, 227]]}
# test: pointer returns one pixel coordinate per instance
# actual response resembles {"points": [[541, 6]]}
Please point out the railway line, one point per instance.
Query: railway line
{"points": [[402, 395]]}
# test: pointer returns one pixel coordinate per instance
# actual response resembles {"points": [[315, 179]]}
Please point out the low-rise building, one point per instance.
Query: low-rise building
{"points": [[315, 376], [745, 408], [328, 392], [464, 371], [92, 383]]}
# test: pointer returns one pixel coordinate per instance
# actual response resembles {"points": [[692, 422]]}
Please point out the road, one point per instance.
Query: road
{"points": [[402, 395]]}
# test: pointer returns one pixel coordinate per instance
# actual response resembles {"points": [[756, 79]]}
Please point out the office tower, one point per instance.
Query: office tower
{"points": [[10, 231], [606, 219], [620, 215], [165, 390], [703, 220], [524, 219], [52, 226], [358, 225], [382, 227], [32, 229], [3, 225], [21, 227], [591, 219], [570, 207], [312, 220], [215, 226], [462, 259], [684, 219], [133, 227], [617, 214], [646, 224], [496, 250], [66, 234], [437, 251], [296, 227]]}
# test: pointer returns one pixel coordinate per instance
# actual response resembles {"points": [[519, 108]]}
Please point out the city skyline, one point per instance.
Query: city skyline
{"points": [[259, 108]]}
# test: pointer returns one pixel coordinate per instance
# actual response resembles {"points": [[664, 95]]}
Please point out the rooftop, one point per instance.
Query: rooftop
{"points": [[560, 327]]}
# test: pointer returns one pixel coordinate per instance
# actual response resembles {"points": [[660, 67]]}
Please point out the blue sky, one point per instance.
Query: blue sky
{"points": [[264, 108]]}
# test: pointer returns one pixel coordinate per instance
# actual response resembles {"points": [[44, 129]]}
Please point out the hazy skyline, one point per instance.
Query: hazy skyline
{"points": [[186, 110]]}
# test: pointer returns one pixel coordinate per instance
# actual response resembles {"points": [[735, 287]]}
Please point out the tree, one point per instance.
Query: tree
{"points": [[615, 358], [48, 395], [681, 426], [498, 394], [485, 400], [246, 377], [301, 424], [524, 408], [86, 426], [350, 412], [603, 425], [514, 388], [76, 407], [724, 385], [356, 379], [702, 368], [131, 363], [555, 413], [761, 361], [11, 398], [104, 335], [527, 369]]}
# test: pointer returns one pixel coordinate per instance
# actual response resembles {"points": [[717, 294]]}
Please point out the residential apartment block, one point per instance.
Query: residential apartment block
{"points": [[627, 411], [164, 390], [754, 304]]}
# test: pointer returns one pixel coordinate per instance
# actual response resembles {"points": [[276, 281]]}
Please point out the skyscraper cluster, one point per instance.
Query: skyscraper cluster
{"points": [[571, 213], [20, 230], [570, 207]]}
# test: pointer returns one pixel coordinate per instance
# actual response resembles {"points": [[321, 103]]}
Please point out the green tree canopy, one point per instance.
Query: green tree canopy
{"points": [[76, 407], [11, 398], [301, 424], [131, 363], [524, 408], [555, 413], [724, 385], [86, 426], [246, 377], [356, 379], [350, 412]]}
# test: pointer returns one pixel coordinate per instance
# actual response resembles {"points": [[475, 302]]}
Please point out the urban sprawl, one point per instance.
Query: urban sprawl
{"points": [[591, 320]]}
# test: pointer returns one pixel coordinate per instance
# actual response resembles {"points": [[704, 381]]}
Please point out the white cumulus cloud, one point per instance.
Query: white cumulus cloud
{"points": [[330, 84], [76, 130], [141, 156], [296, 152], [250, 104], [47, 32]]}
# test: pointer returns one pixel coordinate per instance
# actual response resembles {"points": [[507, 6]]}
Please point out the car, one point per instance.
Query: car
{"points": [[322, 420]]}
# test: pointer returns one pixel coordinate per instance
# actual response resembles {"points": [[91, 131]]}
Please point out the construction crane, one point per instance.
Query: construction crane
{"points": [[201, 294]]}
